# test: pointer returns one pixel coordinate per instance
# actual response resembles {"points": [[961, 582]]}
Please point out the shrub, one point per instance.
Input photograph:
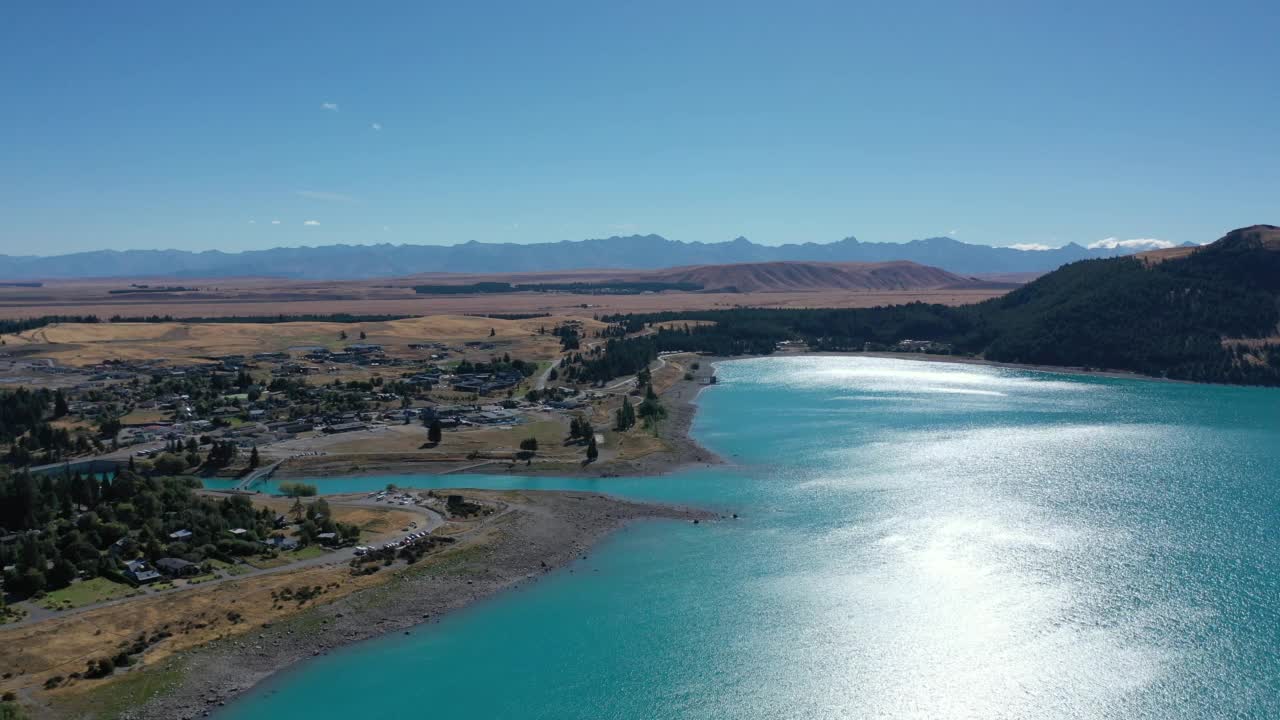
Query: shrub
{"points": [[297, 489]]}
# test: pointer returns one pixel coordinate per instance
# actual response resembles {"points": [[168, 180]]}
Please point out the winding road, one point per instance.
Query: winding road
{"points": [[433, 520]]}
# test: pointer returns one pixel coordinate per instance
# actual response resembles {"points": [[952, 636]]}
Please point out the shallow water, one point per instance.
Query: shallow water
{"points": [[918, 540]]}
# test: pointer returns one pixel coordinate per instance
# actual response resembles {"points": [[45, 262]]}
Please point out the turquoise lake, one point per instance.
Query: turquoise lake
{"points": [[918, 540]]}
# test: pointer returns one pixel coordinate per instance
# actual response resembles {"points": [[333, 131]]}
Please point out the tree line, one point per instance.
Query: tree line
{"points": [[1205, 317], [59, 528]]}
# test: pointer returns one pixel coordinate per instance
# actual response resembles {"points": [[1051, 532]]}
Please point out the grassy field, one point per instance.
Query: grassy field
{"points": [[406, 438], [249, 296], [108, 701], [144, 417], [373, 521], [284, 558], [87, 592], [91, 343], [230, 569], [62, 645], [408, 443]]}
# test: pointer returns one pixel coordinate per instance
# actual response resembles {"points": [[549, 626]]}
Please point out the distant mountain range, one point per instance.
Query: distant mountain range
{"points": [[340, 262]]}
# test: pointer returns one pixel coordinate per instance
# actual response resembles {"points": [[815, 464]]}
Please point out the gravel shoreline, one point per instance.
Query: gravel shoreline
{"points": [[545, 530]]}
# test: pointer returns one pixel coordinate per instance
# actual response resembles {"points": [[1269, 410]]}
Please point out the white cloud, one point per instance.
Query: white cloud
{"points": [[324, 196], [253, 222], [312, 223], [329, 106], [1030, 246], [1112, 243], [386, 228], [953, 232], [275, 222], [376, 126]]}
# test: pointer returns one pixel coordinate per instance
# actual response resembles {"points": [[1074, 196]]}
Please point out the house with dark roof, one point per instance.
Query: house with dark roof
{"points": [[139, 572], [177, 567], [281, 543]]}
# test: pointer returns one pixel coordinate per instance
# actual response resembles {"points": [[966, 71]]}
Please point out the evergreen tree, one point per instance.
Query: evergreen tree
{"points": [[651, 411], [625, 416], [435, 432], [61, 574]]}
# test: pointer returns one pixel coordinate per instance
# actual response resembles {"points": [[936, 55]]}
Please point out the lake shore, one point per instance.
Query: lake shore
{"points": [[680, 450], [960, 360], [541, 532]]}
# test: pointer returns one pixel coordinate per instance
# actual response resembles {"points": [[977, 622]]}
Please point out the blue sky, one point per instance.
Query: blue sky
{"points": [[199, 125]]}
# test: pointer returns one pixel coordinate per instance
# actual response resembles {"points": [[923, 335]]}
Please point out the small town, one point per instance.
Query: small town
{"points": [[285, 403], [741, 360]]}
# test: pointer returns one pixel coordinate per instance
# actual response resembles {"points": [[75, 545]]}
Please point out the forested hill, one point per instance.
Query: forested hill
{"points": [[1211, 315]]}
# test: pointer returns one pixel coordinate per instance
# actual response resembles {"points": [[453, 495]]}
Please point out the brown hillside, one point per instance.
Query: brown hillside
{"points": [[1152, 257], [805, 276], [1266, 236]]}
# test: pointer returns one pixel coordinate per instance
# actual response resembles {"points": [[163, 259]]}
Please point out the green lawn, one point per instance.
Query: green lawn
{"points": [[285, 558], [122, 693], [229, 568], [86, 592], [202, 578]]}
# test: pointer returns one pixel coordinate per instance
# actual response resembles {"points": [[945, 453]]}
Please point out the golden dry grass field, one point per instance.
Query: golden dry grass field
{"points": [[61, 646], [243, 297], [91, 343], [374, 521]]}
